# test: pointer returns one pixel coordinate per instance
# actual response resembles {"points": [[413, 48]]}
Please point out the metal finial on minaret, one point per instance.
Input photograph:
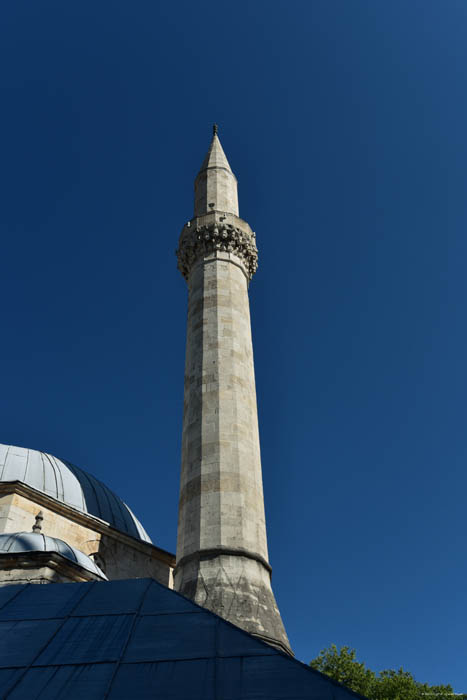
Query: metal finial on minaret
{"points": [[214, 129], [37, 527]]}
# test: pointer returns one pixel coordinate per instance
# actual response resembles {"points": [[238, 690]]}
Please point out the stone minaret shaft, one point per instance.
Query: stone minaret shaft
{"points": [[222, 557]]}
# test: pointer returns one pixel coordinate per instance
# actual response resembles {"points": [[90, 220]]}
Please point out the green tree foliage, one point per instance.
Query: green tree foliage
{"points": [[342, 665]]}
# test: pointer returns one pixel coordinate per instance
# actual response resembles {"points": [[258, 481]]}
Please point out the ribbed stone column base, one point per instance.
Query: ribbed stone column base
{"points": [[236, 588]]}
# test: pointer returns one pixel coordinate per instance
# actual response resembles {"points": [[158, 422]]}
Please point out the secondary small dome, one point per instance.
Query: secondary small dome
{"points": [[67, 483], [17, 542]]}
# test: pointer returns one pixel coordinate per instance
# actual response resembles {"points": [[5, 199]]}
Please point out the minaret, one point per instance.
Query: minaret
{"points": [[222, 556]]}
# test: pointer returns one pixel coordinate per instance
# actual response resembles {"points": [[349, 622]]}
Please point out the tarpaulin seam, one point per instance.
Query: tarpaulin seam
{"points": [[136, 617], [47, 642], [21, 589]]}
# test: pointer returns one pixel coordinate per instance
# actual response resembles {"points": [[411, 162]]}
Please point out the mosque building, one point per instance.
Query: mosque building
{"points": [[138, 622]]}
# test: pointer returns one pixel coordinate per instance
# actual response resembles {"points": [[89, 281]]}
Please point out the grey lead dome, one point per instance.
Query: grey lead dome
{"points": [[16, 542], [67, 483]]}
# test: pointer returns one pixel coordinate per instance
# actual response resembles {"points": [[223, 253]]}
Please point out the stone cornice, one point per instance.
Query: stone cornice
{"points": [[216, 233], [85, 519], [52, 560]]}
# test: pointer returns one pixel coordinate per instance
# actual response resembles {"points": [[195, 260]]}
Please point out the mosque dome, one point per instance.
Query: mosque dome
{"points": [[18, 542], [70, 485]]}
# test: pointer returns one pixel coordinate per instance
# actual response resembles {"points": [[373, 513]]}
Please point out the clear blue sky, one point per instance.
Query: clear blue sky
{"points": [[345, 122]]}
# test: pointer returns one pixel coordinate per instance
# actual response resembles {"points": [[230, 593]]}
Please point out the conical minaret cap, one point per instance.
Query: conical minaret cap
{"points": [[215, 157], [215, 184]]}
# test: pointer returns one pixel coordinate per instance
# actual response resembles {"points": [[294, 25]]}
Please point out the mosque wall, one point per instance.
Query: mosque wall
{"points": [[43, 574], [120, 556], [121, 562], [17, 514]]}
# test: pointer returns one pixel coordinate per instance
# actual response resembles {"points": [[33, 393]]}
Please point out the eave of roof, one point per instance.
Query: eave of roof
{"points": [[52, 560]]}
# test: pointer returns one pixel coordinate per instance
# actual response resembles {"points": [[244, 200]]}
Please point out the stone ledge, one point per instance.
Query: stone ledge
{"points": [[222, 550], [54, 562]]}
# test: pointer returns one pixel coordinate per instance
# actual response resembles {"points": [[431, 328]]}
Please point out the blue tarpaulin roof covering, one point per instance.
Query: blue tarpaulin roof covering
{"points": [[136, 639]]}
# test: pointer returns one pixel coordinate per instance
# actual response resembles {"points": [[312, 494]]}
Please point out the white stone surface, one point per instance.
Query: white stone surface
{"points": [[122, 556], [221, 466], [216, 185], [222, 556]]}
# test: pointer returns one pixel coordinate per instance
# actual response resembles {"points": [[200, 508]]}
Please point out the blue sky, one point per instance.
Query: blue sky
{"points": [[344, 122]]}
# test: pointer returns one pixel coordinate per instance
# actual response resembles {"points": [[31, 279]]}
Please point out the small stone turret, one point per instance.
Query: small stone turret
{"points": [[32, 557], [222, 555]]}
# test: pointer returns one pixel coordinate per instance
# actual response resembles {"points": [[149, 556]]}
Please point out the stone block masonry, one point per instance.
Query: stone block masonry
{"points": [[222, 556]]}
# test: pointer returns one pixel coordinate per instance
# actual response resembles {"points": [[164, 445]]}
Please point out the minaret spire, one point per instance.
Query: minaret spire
{"points": [[222, 555], [215, 184]]}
